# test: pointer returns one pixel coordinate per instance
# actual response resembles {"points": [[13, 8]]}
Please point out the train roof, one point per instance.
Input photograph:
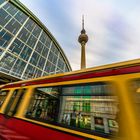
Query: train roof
{"points": [[99, 71]]}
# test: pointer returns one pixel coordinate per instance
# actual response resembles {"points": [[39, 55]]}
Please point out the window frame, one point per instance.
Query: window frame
{"points": [[8, 91]]}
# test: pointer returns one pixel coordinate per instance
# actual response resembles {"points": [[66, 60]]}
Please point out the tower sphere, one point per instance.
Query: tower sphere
{"points": [[83, 37]]}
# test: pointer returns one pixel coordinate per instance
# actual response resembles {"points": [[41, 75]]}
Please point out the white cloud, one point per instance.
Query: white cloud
{"points": [[112, 27]]}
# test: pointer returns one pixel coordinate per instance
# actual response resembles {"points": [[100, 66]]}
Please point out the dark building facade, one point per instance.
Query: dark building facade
{"points": [[27, 48]]}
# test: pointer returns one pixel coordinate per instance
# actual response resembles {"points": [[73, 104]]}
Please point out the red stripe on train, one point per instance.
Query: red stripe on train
{"points": [[79, 76], [34, 131]]}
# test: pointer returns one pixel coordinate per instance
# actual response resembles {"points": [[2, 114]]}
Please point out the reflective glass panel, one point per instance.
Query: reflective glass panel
{"points": [[48, 42], [21, 17], [24, 34], [39, 47], [54, 49], [38, 73], [45, 51], [36, 31], [34, 58], [61, 64], [48, 67], [30, 24], [26, 53], [1, 51], [5, 38], [7, 62], [54, 61], [16, 47], [4, 17], [13, 26], [19, 66], [43, 37], [50, 56], [44, 104], [30, 71], [52, 69], [31, 41], [1, 1], [10, 8], [41, 62], [90, 107]]}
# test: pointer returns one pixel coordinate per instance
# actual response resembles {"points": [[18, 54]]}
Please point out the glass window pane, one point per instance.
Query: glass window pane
{"points": [[52, 69], [7, 62], [19, 67], [50, 56], [26, 52], [54, 59], [30, 25], [43, 37], [36, 31], [5, 38], [39, 47], [44, 104], [54, 49], [61, 64], [30, 71], [16, 47], [84, 109], [48, 67], [34, 58], [1, 51], [4, 17], [21, 17], [38, 73], [13, 26], [1, 1], [23, 35], [45, 51], [41, 62], [10, 8], [31, 41], [48, 42]]}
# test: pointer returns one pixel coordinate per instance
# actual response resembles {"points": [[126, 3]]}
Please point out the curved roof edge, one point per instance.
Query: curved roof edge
{"points": [[18, 4]]}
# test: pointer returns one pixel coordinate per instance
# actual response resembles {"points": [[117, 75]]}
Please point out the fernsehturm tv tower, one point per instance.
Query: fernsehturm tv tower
{"points": [[83, 38]]}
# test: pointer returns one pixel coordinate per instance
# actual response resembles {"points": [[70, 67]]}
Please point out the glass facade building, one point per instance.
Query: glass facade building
{"points": [[27, 48]]}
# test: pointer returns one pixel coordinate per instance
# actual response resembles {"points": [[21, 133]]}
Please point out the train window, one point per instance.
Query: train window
{"points": [[91, 107], [14, 102], [3, 95], [135, 86], [44, 104]]}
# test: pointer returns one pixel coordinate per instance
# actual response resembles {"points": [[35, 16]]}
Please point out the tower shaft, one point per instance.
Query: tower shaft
{"points": [[83, 56]]}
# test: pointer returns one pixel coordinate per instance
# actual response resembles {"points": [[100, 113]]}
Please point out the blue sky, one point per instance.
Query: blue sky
{"points": [[112, 27]]}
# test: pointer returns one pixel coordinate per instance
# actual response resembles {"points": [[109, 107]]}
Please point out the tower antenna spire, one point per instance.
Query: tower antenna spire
{"points": [[82, 21]]}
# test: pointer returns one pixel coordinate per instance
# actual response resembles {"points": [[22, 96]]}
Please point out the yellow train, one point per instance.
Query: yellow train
{"points": [[97, 103]]}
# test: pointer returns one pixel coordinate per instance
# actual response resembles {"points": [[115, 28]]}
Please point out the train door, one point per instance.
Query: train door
{"points": [[14, 102]]}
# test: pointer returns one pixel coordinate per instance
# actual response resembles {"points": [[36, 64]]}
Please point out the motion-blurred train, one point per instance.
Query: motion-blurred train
{"points": [[96, 103]]}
